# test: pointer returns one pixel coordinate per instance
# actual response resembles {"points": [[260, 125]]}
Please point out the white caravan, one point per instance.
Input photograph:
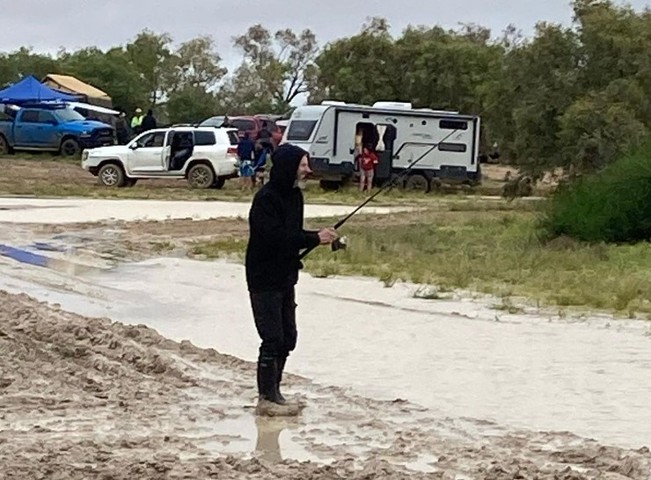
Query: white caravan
{"points": [[334, 132]]}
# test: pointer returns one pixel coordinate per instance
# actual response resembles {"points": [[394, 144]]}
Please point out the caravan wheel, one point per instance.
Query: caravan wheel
{"points": [[330, 185], [419, 182], [396, 180]]}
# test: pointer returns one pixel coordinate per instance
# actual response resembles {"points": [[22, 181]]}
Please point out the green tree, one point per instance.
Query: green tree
{"points": [[191, 104], [194, 64], [150, 54], [246, 93], [447, 68], [23, 62], [194, 70], [359, 69], [283, 64], [110, 71], [601, 126], [542, 76]]}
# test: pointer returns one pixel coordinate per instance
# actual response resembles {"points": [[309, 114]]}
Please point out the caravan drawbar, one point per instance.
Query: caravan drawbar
{"points": [[334, 132]]}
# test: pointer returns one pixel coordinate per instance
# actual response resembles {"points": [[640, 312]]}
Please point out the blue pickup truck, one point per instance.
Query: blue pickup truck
{"points": [[61, 130]]}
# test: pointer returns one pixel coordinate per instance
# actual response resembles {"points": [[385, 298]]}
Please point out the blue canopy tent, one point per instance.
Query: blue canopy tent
{"points": [[29, 89]]}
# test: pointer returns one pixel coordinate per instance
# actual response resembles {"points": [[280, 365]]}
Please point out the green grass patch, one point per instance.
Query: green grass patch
{"points": [[492, 248], [225, 247]]}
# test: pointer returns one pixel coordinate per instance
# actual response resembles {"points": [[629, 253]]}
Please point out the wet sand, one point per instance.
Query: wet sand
{"points": [[78, 210], [456, 356], [92, 398]]}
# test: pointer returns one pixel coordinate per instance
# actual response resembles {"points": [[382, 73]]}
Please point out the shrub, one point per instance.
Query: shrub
{"points": [[613, 205]]}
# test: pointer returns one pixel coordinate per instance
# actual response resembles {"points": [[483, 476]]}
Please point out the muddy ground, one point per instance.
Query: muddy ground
{"points": [[90, 398], [139, 240]]}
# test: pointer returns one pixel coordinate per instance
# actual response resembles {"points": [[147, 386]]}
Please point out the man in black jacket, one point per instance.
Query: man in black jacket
{"points": [[272, 264], [149, 122]]}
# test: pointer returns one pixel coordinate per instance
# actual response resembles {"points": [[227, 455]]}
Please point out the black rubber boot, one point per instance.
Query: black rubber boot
{"points": [[269, 401], [279, 378], [267, 379]]}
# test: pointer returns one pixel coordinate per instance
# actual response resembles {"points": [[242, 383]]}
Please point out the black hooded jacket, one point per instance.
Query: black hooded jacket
{"points": [[276, 226]]}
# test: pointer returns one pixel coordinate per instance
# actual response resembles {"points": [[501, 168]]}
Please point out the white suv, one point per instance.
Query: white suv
{"points": [[205, 156]]}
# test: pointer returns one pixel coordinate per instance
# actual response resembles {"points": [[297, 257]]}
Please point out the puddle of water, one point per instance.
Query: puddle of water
{"points": [[84, 210], [268, 438], [424, 463], [450, 356]]}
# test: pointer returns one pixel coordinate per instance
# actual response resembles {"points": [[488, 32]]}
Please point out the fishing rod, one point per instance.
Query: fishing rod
{"points": [[338, 244]]}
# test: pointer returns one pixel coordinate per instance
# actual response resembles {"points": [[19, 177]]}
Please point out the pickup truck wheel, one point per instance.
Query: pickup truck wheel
{"points": [[4, 146], [70, 148], [201, 176], [111, 175], [219, 183]]}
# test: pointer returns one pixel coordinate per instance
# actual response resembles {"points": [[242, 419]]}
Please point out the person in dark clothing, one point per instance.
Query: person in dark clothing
{"points": [[149, 122], [264, 135], [264, 148], [272, 264], [181, 149], [122, 129], [245, 150]]}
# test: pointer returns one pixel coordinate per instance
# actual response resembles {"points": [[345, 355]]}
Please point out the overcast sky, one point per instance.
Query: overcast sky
{"points": [[47, 25]]}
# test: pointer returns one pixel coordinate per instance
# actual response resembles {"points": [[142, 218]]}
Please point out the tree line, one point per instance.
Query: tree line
{"points": [[574, 97]]}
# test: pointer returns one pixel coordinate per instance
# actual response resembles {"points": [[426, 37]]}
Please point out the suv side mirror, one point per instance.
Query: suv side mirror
{"points": [[134, 146]]}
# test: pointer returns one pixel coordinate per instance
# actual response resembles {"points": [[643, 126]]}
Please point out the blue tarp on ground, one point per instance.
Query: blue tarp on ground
{"points": [[23, 256], [29, 89]]}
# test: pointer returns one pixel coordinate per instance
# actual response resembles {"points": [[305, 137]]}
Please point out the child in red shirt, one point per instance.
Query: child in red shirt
{"points": [[367, 162]]}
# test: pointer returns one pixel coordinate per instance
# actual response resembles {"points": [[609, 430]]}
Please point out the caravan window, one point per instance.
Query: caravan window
{"points": [[453, 125], [452, 147], [300, 130]]}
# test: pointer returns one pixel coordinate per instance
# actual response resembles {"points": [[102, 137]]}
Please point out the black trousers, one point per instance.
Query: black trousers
{"points": [[275, 319]]}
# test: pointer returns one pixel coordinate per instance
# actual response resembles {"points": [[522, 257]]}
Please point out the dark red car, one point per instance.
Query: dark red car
{"points": [[252, 124]]}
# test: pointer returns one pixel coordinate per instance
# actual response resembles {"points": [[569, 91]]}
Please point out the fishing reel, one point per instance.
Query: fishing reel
{"points": [[339, 244]]}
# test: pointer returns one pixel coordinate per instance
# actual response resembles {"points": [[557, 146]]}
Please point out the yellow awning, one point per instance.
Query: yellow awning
{"points": [[69, 84]]}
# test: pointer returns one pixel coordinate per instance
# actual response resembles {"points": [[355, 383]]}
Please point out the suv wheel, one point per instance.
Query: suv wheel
{"points": [[219, 183], [201, 176], [70, 148], [111, 175]]}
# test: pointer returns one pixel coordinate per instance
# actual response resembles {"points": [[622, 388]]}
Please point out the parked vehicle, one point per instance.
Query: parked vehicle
{"points": [[282, 125], [253, 124], [216, 121], [334, 132], [205, 156], [57, 129]]}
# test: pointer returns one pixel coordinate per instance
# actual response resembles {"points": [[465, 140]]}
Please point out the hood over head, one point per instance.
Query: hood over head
{"points": [[286, 159]]}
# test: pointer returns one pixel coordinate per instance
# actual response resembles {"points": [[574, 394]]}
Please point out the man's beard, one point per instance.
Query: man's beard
{"points": [[300, 183]]}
